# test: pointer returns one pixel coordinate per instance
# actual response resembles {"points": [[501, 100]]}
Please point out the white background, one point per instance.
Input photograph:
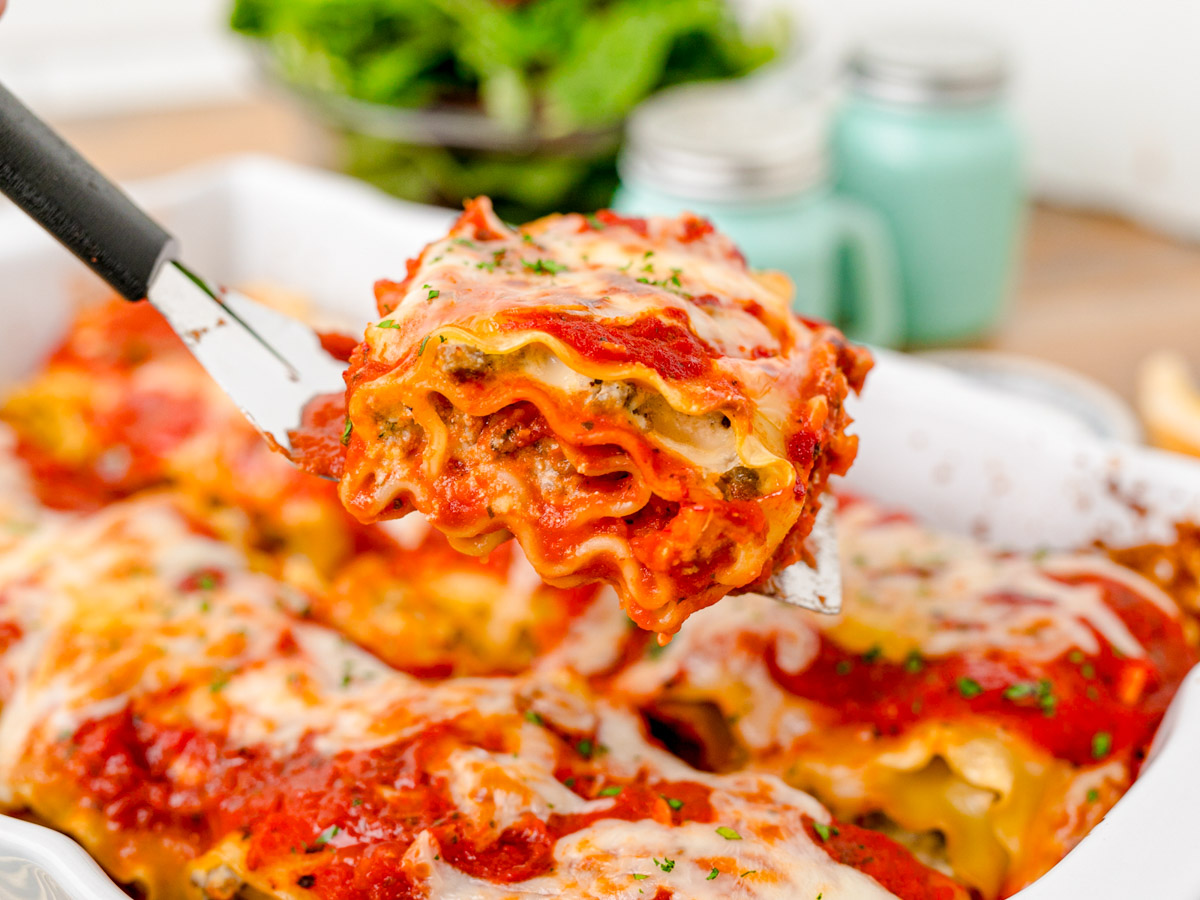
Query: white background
{"points": [[1107, 90]]}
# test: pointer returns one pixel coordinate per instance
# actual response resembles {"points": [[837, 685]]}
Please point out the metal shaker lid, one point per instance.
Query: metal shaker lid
{"points": [[928, 67], [726, 141]]}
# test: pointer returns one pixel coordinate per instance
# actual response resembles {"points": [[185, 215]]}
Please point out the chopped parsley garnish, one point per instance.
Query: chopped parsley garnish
{"points": [[386, 323], [433, 294], [327, 835], [463, 242], [1019, 690], [1076, 656], [872, 654], [713, 874], [1087, 670], [612, 790], [638, 876], [844, 667], [357, 801], [219, 682], [1093, 795], [569, 782], [531, 716], [675, 273], [665, 864], [824, 831], [647, 254], [424, 341], [728, 833], [1101, 744], [206, 581], [594, 222], [346, 431], [585, 748], [673, 802], [969, 688], [748, 872], [490, 266], [914, 662], [543, 266]]}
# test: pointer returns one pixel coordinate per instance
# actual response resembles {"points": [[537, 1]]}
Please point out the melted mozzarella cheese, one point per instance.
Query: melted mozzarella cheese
{"points": [[907, 586], [113, 617]]}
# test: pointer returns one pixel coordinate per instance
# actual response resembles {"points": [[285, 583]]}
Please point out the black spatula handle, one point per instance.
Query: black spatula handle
{"points": [[61, 190]]}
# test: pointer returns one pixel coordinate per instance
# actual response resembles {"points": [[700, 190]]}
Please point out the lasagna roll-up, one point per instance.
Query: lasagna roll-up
{"points": [[624, 396], [987, 708]]}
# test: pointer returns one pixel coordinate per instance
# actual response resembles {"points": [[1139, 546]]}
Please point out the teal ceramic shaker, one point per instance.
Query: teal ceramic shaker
{"points": [[753, 159], [924, 138]]}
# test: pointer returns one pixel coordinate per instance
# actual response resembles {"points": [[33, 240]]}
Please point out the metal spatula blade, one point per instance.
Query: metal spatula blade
{"points": [[818, 589], [270, 364]]}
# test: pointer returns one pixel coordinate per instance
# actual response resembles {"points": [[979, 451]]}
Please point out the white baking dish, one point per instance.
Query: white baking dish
{"points": [[957, 454]]}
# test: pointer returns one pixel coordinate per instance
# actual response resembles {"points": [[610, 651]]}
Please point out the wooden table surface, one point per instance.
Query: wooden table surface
{"points": [[1095, 293]]}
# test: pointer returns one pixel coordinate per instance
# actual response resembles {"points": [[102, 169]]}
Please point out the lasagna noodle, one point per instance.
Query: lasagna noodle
{"points": [[1002, 701], [623, 396], [162, 706]]}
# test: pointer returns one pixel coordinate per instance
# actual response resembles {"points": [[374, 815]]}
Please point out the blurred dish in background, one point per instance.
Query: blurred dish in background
{"points": [[923, 138], [753, 158], [1168, 401], [1078, 401], [523, 101]]}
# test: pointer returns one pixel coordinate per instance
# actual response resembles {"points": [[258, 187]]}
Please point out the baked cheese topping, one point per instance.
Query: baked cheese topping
{"points": [[165, 705]]}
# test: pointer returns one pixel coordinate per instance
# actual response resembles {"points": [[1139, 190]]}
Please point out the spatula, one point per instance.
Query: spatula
{"points": [[269, 364]]}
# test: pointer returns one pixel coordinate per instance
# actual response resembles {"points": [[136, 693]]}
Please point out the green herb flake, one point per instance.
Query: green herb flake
{"points": [[346, 431], [1076, 656], [1093, 795], [424, 341], [357, 801], [665, 864], [824, 831], [595, 223], [1087, 670], [844, 667], [490, 266], [585, 748], [748, 872], [1101, 744], [672, 802], [728, 833], [543, 266], [569, 782], [327, 835], [531, 716], [1019, 691], [387, 323], [638, 876], [433, 294], [969, 688], [713, 874], [914, 662], [218, 683], [872, 654], [613, 790]]}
